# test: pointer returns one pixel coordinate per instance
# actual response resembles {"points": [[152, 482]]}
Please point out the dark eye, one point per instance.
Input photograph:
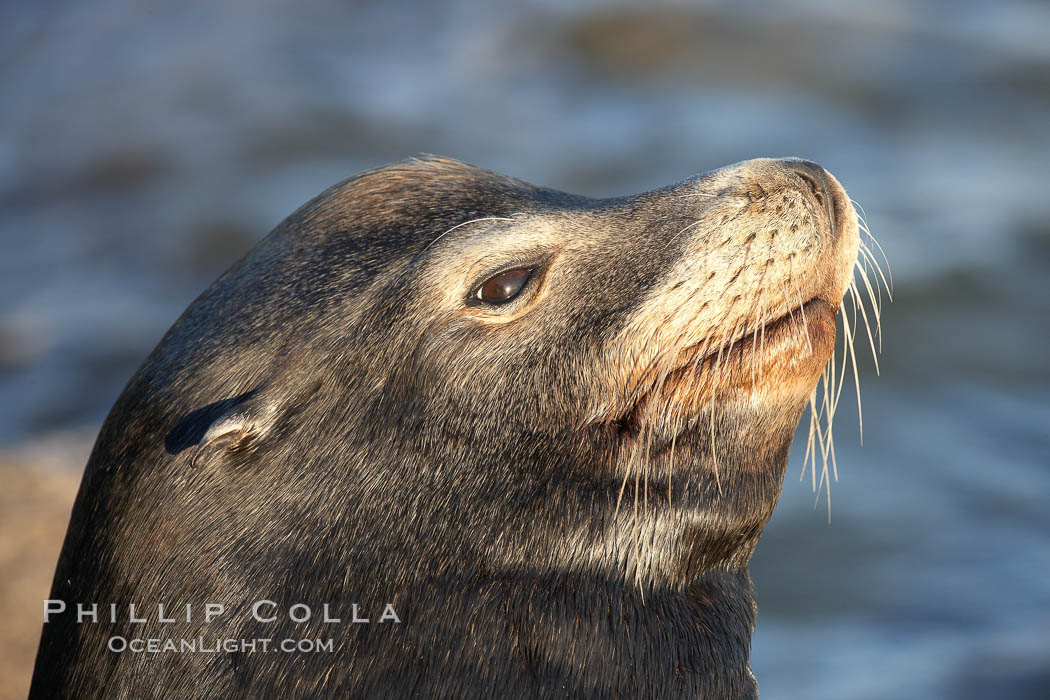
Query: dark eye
{"points": [[504, 286]]}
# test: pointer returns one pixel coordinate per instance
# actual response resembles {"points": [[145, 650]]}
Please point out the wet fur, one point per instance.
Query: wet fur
{"points": [[563, 503]]}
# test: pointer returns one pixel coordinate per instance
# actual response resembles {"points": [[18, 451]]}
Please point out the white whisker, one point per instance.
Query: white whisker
{"points": [[465, 223]]}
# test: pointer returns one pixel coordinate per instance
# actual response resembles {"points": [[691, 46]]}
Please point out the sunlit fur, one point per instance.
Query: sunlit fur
{"points": [[559, 495]]}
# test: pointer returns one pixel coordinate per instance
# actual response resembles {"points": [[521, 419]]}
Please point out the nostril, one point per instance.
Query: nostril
{"points": [[814, 186], [816, 180]]}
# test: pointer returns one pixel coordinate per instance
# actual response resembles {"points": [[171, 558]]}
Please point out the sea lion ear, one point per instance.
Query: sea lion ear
{"points": [[243, 422], [230, 423]]}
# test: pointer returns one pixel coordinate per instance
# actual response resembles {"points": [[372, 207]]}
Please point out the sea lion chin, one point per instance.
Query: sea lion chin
{"points": [[547, 430]]}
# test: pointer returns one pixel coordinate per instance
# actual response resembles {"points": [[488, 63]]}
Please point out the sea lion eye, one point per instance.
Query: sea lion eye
{"points": [[504, 286]]}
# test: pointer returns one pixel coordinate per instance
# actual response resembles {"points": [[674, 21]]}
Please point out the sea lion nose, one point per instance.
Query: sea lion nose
{"points": [[816, 180]]}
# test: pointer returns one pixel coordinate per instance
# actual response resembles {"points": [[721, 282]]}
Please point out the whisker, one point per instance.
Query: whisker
{"points": [[805, 324], [867, 325], [670, 464], [714, 452], [836, 387], [623, 485], [810, 440], [472, 221], [848, 350], [861, 264], [878, 269], [889, 270], [672, 238]]}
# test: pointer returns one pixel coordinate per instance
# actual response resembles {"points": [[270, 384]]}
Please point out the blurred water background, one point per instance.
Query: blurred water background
{"points": [[146, 146]]}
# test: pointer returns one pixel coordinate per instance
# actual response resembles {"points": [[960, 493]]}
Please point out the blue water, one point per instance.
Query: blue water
{"points": [[145, 146]]}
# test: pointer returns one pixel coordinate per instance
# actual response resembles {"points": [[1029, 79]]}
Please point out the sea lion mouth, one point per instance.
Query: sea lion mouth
{"points": [[799, 330], [784, 355], [816, 311]]}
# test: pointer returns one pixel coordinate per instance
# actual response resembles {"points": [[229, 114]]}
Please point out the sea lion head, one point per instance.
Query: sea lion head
{"points": [[543, 374], [512, 413]]}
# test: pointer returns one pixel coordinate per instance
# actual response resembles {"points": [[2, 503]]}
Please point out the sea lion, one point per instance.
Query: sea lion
{"points": [[539, 434]]}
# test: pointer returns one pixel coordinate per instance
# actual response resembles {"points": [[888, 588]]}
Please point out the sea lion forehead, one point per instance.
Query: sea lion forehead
{"points": [[428, 190]]}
